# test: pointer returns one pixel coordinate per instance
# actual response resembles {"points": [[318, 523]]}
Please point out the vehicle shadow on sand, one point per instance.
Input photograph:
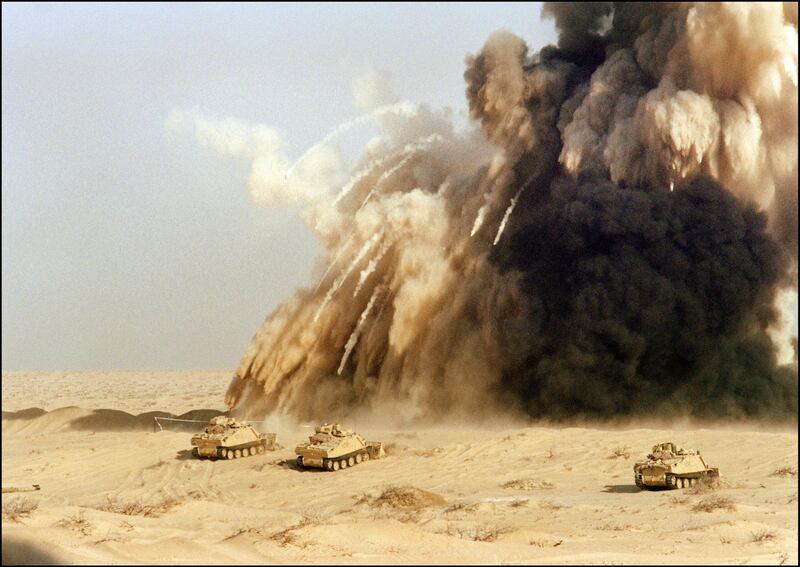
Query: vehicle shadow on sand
{"points": [[22, 552], [621, 488], [291, 464]]}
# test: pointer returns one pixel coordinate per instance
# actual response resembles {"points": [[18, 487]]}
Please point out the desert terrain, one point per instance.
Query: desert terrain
{"points": [[115, 491]]}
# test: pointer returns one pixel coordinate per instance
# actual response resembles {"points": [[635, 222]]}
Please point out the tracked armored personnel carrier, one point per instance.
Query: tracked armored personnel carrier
{"points": [[333, 448], [227, 438], [671, 466]]}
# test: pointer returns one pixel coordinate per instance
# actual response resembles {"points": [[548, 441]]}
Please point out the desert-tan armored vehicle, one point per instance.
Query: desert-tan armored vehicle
{"points": [[227, 438], [333, 448], [671, 466]]}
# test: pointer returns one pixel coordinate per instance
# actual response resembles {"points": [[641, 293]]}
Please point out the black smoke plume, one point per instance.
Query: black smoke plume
{"points": [[615, 239]]}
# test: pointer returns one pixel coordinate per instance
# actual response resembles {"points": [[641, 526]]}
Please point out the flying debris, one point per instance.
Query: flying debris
{"points": [[506, 216], [338, 282], [351, 342], [606, 295]]}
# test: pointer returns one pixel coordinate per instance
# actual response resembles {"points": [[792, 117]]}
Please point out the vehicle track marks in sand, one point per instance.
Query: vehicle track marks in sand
{"points": [[207, 474], [128, 483]]}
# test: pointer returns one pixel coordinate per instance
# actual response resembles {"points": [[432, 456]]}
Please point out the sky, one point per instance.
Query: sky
{"points": [[127, 246]]}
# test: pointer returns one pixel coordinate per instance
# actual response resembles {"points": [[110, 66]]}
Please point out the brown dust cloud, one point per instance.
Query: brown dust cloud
{"points": [[616, 236]]}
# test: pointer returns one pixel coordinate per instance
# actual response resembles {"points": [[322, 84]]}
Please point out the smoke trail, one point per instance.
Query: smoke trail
{"points": [[506, 216], [358, 178], [334, 262], [399, 109], [351, 342], [408, 152], [337, 284], [373, 263], [653, 253]]}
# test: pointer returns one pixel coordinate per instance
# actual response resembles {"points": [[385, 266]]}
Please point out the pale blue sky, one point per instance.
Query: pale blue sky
{"points": [[126, 248]]}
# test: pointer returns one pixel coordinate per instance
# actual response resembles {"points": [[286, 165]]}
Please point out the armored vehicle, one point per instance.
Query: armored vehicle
{"points": [[671, 466], [333, 448], [227, 438]]}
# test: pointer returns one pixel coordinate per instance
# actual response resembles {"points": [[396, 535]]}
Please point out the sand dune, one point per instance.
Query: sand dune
{"points": [[40, 421], [115, 492]]}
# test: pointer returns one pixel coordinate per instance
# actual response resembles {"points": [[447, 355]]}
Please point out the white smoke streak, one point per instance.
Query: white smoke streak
{"points": [[373, 263], [358, 178], [343, 276], [506, 216], [353, 339], [383, 178], [479, 218], [404, 109], [408, 151], [334, 261], [511, 206]]}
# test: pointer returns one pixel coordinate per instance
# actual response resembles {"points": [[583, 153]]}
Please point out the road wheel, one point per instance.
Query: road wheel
{"points": [[343, 464], [335, 465], [237, 454], [329, 465], [228, 454], [351, 461], [260, 449], [365, 456], [359, 458]]}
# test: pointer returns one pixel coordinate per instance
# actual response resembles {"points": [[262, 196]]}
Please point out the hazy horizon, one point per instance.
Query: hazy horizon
{"points": [[128, 247]]}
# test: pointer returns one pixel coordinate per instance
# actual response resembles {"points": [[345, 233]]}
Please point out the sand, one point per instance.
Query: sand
{"points": [[113, 491]]}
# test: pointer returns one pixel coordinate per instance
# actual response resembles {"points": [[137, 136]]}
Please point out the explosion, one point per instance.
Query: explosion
{"points": [[613, 239]]}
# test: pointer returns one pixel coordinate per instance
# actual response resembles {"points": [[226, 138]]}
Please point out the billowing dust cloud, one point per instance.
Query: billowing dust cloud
{"points": [[616, 236]]}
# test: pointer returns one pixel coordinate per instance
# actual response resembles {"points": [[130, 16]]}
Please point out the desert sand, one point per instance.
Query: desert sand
{"points": [[114, 491]]}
